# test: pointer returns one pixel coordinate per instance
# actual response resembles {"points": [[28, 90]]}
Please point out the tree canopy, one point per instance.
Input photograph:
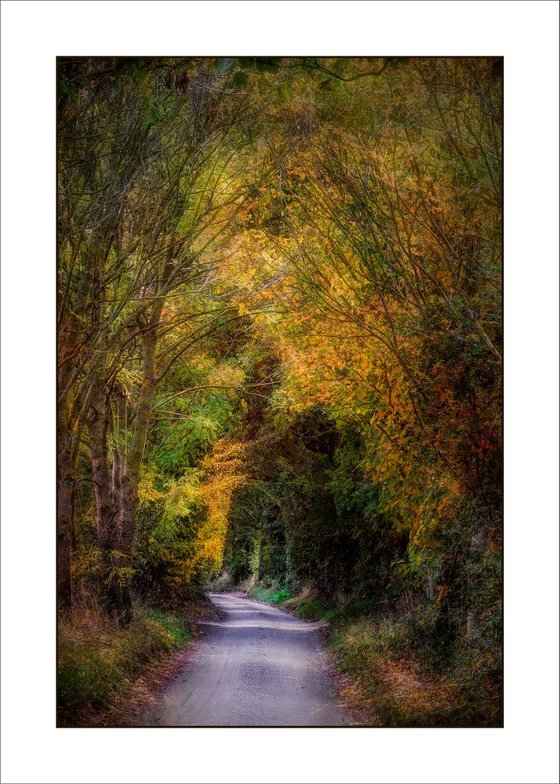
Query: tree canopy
{"points": [[279, 323]]}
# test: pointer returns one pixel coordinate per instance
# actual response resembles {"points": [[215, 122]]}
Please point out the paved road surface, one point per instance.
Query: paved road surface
{"points": [[257, 667]]}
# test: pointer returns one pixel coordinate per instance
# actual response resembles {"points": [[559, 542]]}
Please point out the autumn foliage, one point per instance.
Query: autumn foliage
{"points": [[280, 350]]}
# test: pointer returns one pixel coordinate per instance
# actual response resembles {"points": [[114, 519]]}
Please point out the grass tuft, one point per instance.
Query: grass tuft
{"points": [[98, 660], [394, 676], [394, 686]]}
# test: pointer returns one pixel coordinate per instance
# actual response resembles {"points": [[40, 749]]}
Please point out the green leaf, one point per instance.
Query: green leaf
{"points": [[239, 79], [267, 64]]}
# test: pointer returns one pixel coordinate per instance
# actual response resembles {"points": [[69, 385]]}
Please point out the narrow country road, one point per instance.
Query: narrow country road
{"points": [[257, 667]]}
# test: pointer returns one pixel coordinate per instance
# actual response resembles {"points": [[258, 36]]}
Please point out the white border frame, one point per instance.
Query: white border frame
{"points": [[33, 33]]}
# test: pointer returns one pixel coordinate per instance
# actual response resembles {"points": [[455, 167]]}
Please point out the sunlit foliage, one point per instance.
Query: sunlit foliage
{"points": [[280, 342]]}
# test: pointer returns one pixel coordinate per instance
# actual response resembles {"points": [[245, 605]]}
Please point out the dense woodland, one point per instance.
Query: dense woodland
{"points": [[279, 331]]}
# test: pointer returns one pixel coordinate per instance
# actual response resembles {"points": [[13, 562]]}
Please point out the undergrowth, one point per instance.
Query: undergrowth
{"points": [[273, 594], [398, 682], [98, 660], [393, 668]]}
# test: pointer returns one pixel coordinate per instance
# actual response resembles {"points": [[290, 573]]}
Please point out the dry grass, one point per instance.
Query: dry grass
{"points": [[143, 691], [386, 671], [100, 663], [389, 686]]}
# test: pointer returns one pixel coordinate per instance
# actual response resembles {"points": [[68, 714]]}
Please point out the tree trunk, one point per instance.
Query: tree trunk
{"points": [[64, 528], [130, 477], [101, 472], [68, 438], [131, 473]]}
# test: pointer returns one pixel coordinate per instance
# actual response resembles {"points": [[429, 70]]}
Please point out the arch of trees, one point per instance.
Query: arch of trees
{"points": [[279, 321]]}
